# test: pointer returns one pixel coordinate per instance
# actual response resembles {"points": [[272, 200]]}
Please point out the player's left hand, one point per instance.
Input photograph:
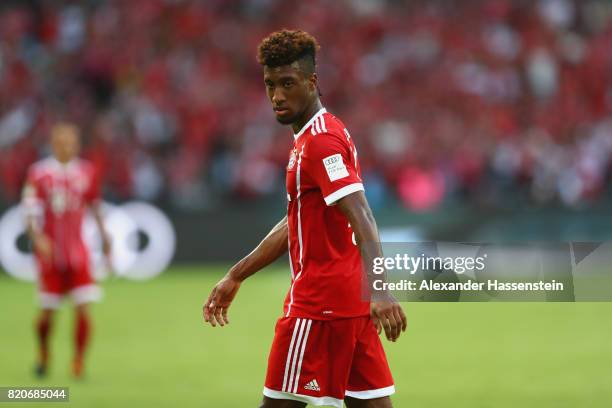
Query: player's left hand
{"points": [[388, 314], [106, 245], [107, 255], [215, 308]]}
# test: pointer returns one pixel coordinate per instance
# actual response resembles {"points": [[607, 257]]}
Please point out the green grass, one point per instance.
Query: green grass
{"points": [[150, 348]]}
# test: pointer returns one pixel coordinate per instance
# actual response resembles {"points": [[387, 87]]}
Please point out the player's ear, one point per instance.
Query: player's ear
{"points": [[313, 82]]}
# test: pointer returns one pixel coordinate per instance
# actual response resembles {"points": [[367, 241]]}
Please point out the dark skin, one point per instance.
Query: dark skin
{"points": [[295, 99]]}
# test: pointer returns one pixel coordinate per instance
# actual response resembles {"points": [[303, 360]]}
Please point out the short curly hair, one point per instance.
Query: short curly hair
{"points": [[284, 47]]}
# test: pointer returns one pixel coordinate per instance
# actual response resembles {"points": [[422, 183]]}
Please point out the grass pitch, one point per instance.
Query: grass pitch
{"points": [[150, 348]]}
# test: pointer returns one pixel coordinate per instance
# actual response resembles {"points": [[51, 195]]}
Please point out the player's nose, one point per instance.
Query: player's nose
{"points": [[278, 98]]}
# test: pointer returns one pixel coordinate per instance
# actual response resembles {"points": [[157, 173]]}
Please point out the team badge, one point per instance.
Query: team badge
{"points": [[291, 160]]}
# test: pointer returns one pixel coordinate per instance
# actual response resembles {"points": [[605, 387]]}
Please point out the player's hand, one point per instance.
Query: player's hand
{"points": [[106, 245], [43, 246], [215, 308], [107, 251], [388, 314]]}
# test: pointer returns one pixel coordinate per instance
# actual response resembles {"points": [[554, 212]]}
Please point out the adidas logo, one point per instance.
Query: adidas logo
{"points": [[312, 386]]}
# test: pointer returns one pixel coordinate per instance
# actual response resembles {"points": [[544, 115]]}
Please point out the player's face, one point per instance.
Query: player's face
{"points": [[65, 143], [290, 91]]}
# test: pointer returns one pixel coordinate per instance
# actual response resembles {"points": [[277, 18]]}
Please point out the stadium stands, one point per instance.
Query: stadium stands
{"points": [[473, 103]]}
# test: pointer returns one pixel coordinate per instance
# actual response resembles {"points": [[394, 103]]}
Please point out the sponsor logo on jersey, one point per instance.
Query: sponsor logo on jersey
{"points": [[334, 165]]}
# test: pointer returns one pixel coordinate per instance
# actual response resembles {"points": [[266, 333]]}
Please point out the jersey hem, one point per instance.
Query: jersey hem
{"points": [[49, 301], [371, 394], [316, 401], [324, 317], [86, 294]]}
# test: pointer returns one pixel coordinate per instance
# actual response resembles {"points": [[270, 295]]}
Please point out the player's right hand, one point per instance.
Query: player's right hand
{"points": [[42, 246], [215, 308]]}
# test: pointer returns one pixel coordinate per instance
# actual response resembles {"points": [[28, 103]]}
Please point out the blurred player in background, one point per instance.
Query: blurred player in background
{"points": [[57, 192], [326, 350]]}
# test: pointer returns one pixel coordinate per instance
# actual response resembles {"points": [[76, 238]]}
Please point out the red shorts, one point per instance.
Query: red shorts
{"points": [[322, 361], [75, 279]]}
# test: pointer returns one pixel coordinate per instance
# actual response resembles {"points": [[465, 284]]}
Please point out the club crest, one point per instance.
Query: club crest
{"points": [[291, 160]]}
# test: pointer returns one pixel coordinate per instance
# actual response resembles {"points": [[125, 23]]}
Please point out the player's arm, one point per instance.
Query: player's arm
{"points": [[96, 211], [40, 241], [32, 206], [386, 311], [269, 249], [92, 198]]}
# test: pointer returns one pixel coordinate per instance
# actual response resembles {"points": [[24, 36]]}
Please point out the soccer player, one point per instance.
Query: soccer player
{"points": [[57, 192], [326, 348]]}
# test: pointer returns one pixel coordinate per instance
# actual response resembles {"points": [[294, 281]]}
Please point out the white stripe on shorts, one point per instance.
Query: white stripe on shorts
{"points": [[296, 351], [289, 354], [297, 377]]}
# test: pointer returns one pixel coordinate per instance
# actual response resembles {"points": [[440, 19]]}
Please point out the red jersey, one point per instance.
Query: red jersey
{"points": [[59, 194], [325, 261]]}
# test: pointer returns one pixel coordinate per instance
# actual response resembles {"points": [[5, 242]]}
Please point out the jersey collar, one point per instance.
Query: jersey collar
{"points": [[307, 125], [62, 166]]}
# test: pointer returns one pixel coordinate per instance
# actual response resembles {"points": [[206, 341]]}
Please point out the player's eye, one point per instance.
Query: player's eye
{"points": [[288, 84]]}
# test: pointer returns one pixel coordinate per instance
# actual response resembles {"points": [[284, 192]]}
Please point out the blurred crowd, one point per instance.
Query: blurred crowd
{"points": [[480, 101]]}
